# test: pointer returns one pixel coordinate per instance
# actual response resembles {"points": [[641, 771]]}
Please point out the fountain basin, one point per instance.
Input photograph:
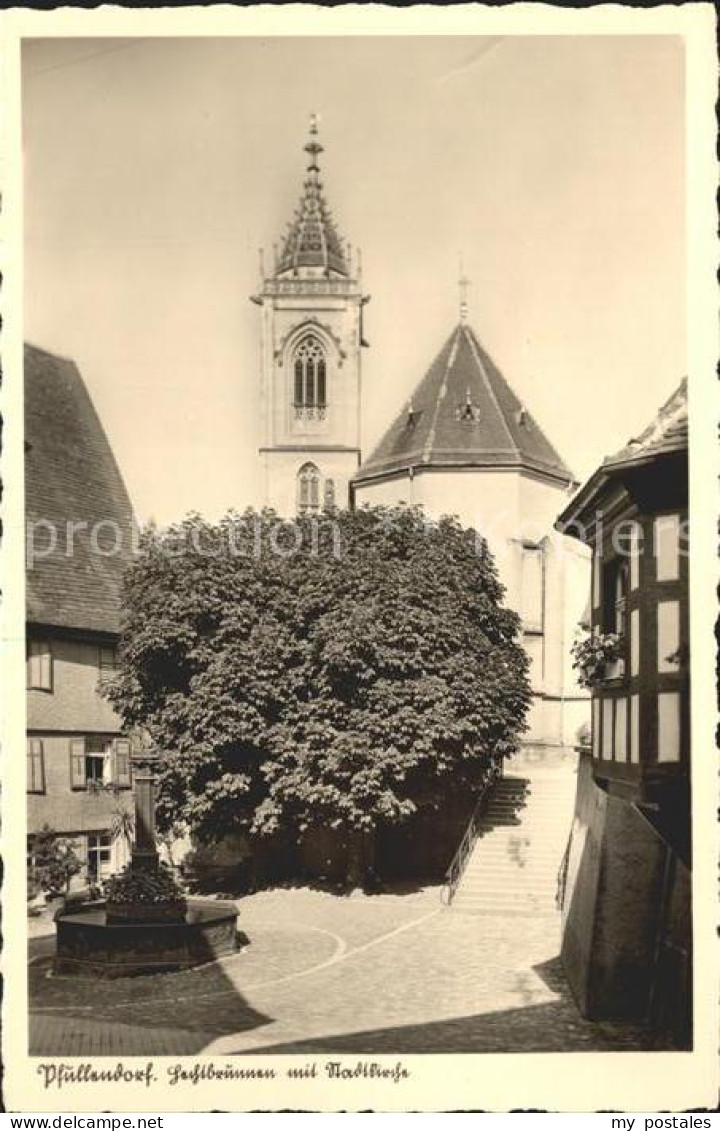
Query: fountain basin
{"points": [[89, 944]]}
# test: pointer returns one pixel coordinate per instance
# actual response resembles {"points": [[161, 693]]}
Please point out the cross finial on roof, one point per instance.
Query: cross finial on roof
{"points": [[463, 285]]}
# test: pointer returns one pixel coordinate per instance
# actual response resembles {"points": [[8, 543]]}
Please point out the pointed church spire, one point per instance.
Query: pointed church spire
{"points": [[311, 239]]}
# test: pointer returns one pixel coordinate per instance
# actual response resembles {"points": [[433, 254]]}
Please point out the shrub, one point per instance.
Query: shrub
{"points": [[369, 671], [55, 862]]}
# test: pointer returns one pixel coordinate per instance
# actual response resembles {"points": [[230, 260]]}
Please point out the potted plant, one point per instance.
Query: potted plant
{"points": [[597, 657], [55, 862]]}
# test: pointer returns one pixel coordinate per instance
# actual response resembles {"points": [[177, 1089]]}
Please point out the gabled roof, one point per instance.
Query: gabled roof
{"points": [[311, 239], [463, 413], [665, 435], [668, 432], [71, 477]]}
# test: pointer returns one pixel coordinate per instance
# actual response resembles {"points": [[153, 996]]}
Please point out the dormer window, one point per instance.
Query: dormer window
{"points": [[467, 412], [310, 378]]}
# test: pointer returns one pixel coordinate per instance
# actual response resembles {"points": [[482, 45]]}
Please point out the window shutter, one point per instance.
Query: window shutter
{"points": [[107, 663], [30, 783], [77, 763], [36, 766], [46, 667], [122, 762], [39, 665]]}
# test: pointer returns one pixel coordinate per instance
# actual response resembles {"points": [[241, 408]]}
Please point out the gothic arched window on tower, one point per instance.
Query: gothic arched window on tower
{"points": [[308, 489], [310, 379]]}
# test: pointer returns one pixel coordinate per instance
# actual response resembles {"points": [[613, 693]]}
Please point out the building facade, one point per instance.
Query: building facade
{"points": [[79, 531], [311, 341], [465, 445], [627, 900]]}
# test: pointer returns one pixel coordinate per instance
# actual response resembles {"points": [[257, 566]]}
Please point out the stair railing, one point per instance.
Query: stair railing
{"points": [[459, 861]]}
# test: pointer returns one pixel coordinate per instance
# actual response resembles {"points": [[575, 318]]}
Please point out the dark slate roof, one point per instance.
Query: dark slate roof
{"points": [[71, 476], [666, 434], [464, 414]]}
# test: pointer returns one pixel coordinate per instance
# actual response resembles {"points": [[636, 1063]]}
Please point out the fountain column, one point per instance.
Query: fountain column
{"points": [[144, 849]]}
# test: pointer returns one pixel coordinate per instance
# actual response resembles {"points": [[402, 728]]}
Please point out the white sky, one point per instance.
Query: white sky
{"points": [[155, 169]]}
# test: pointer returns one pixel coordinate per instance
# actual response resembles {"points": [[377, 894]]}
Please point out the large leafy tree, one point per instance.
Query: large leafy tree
{"points": [[340, 672]]}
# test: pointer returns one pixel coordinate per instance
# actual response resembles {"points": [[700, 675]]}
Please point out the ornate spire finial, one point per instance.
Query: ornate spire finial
{"points": [[313, 146], [463, 285], [311, 239]]}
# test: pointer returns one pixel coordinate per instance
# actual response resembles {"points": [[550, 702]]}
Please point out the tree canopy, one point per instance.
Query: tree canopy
{"points": [[339, 672]]}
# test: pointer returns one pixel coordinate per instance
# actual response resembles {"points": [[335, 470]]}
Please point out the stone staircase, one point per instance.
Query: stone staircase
{"points": [[523, 833]]}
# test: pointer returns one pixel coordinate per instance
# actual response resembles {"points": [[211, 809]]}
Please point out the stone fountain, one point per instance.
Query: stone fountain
{"points": [[146, 925]]}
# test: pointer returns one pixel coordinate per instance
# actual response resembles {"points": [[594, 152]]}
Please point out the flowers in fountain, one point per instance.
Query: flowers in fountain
{"points": [[128, 886]]}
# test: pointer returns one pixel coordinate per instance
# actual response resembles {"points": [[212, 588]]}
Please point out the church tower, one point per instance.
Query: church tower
{"points": [[311, 308]]}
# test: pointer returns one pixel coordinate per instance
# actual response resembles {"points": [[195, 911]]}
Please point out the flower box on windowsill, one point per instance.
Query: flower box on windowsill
{"points": [[614, 669], [599, 657]]}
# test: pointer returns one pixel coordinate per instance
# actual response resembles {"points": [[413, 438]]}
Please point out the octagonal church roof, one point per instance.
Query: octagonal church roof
{"points": [[464, 414]]}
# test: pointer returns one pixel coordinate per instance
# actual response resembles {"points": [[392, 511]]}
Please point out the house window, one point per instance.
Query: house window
{"points": [[96, 761], [98, 753], [310, 377], [99, 856], [615, 613], [35, 766], [39, 665], [329, 493], [308, 489], [107, 664], [615, 592]]}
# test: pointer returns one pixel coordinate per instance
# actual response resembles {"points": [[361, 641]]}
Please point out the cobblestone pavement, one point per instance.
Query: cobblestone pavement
{"points": [[385, 973]]}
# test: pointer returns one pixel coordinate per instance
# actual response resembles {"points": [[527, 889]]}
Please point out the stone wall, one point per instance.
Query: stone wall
{"points": [[510, 507], [626, 897]]}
